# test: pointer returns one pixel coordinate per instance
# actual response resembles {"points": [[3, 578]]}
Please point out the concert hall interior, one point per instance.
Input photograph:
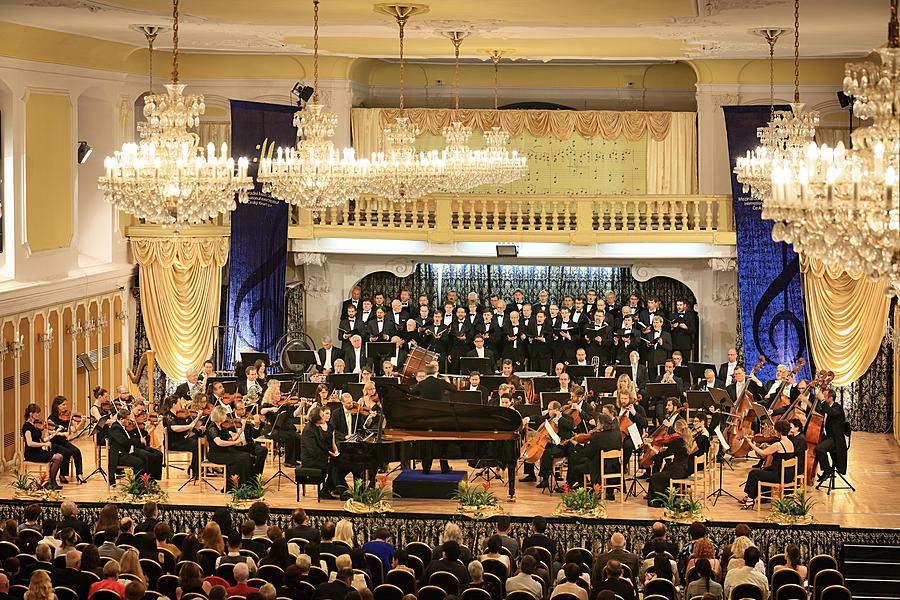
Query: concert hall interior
{"points": [[464, 277]]}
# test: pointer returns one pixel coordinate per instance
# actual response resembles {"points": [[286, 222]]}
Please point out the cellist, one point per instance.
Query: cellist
{"points": [[628, 407], [584, 457], [831, 452], [559, 427]]}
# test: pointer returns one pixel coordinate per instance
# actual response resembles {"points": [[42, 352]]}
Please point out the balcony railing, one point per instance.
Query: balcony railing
{"points": [[576, 220]]}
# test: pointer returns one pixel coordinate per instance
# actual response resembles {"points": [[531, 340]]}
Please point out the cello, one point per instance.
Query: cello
{"points": [[740, 423], [815, 431], [660, 437]]}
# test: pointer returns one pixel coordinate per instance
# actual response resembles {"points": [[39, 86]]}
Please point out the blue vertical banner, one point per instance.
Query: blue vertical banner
{"points": [[257, 261], [773, 321]]}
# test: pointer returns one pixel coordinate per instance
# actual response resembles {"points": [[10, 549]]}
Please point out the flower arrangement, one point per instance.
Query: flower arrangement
{"points": [[582, 502], [245, 494], [136, 489], [365, 498], [793, 509], [477, 501], [679, 508], [29, 487]]}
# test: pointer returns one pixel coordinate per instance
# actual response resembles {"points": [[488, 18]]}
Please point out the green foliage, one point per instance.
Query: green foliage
{"points": [[795, 505], [678, 505], [372, 496], [582, 499], [135, 488], [254, 489], [26, 482], [475, 495]]}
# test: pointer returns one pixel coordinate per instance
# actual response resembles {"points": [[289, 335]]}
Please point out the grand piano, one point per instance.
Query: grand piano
{"points": [[450, 429]]}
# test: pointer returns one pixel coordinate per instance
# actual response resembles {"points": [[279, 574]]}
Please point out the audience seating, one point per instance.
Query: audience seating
{"points": [[817, 563], [271, 573], [520, 595], [376, 569], [64, 593], [475, 594], [386, 591], [663, 587], [404, 580], [431, 592], [747, 591], [446, 581], [836, 592], [791, 591], [825, 578], [784, 577]]}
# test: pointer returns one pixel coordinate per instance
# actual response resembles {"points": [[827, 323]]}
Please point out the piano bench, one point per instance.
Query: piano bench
{"points": [[305, 476]]}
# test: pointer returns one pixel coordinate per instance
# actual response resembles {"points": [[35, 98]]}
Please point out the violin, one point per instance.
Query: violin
{"points": [[105, 405], [660, 437], [39, 424]]}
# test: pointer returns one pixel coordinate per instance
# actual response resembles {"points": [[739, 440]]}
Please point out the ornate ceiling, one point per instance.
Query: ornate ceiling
{"points": [[590, 30]]}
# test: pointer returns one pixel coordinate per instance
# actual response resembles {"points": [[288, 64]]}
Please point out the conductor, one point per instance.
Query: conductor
{"points": [[432, 388]]}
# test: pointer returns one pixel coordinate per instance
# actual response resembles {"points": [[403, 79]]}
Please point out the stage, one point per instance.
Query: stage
{"points": [[874, 469]]}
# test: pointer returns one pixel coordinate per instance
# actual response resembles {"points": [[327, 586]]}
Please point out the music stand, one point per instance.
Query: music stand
{"points": [[355, 389], [492, 382], [579, 372], [279, 421], [698, 370], [465, 397], [548, 397], [601, 385], [223, 380], [662, 390], [467, 364], [699, 400], [723, 447], [545, 384], [250, 358], [380, 349], [340, 381], [686, 376]]}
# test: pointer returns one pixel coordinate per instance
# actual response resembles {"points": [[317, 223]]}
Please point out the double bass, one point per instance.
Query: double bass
{"points": [[815, 431], [740, 423], [783, 399]]}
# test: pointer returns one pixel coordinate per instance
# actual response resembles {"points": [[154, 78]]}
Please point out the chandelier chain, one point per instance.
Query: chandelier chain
{"points": [[457, 41], [496, 55], [796, 50], [401, 21], [771, 38], [174, 41], [894, 27], [150, 33], [315, 51]]}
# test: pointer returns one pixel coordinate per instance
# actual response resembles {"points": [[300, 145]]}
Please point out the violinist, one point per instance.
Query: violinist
{"points": [[370, 407], [782, 449], [283, 430], [579, 409], [141, 442], [217, 397], [101, 414], [584, 456], [560, 427], [223, 447], [628, 407], [245, 427], [37, 449], [123, 398], [267, 408], [181, 430], [678, 446], [62, 420], [345, 420], [122, 451]]}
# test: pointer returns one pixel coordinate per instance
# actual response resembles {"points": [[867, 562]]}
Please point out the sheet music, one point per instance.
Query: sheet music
{"points": [[722, 443], [635, 435]]}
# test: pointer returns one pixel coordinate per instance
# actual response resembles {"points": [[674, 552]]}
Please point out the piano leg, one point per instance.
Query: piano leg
{"points": [[511, 478]]}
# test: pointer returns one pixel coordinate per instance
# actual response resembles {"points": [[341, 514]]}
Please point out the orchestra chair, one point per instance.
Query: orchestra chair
{"points": [[304, 476], [604, 476], [790, 591], [181, 465], [209, 470], [696, 481], [30, 467], [556, 474], [780, 488], [269, 443]]}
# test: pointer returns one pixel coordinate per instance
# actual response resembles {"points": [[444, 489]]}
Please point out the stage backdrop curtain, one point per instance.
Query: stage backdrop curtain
{"points": [[181, 289], [672, 161], [847, 315]]}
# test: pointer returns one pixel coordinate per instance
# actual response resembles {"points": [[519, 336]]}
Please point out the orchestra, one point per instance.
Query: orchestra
{"points": [[527, 349]]}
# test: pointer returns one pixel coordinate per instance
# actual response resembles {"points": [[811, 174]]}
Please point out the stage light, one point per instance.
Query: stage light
{"points": [[507, 250], [84, 152]]}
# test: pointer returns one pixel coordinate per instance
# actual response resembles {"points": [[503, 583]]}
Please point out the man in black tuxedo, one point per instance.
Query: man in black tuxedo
{"points": [[668, 376], [327, 355], [709, 382], [654, 309], [435, 335], [831, 452], [481, 350], [514, 341], [398, 315], [300, 527], [381, 328], [490, 333], [460, 336], [543, 303], [539, 335], [343, 420], [72, 577], [354, 301], [397, 358], [349, 326], [742, 383], [782, 384], [367, 313], [726, 369], [355, 357], [518, 301], [475, 386], [251, 386], [657, 344], [189, 388], [432, 388], [584, 459], [555, 448], [121, 447], [684, 329]]}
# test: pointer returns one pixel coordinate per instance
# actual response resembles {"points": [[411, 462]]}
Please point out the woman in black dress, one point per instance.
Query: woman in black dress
{"points": [[221, 450], [61, 418], [780, 450], [679, 447], [181, 430], [317, 446], [36, 448], [102, 413]]}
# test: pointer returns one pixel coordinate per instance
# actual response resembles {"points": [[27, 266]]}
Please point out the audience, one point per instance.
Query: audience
{"points": [[659, 532], [448, 561], [570, 585], [492, 551], [40, 588], [703, 548], [234, 556], [345, 562], [658, 557], [696, 531], [109, 549], [508, 542], [746, 574], [740, 530], [338, 589], [211, 537], [190, 580], [613, 579], [150, 510], [69, 512], [738, 548], [381, 547], [538, 537], [618, 552], [300, 527], [794, 562], [524, 581], [110, 580], [241, 575], [706, 582], [452, 533]]}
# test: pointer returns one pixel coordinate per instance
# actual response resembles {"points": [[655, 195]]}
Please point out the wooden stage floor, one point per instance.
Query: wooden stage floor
{"points": [[874, 469]]}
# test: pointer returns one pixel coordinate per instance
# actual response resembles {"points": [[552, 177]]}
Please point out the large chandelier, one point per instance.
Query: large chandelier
{"points": [[400, 173], [840, 204], [313, 174], [166, 178]]}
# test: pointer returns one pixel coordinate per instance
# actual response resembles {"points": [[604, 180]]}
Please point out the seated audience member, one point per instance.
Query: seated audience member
{"points": [[661, 568], [300, 527], [659, 533], [345, 562], [190, 580], [746, 574], [248, 543], [614, 580], [163, 533], [523, 581], [240, 587], [110, 580], [135, 590], [381, 547], [90, 560], [492, 551], [703, 548], [401, 557], [794, 562], [738, 548], [740, 530], [150, 511], [338, 589], [233, 556], [570, 585], [328, 544], [476, 580], [452, 533], [696, 531], [509, 542], [649, 564], [539, 538], [448, 561], [290, 587], [705, 583], [69, 512], [72, 577], [618, 552], [109, 549]]}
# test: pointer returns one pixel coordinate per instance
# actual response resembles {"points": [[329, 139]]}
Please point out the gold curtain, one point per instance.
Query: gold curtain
{"points": [[847, 315], [561, 124], [672, 161], [180, 292]]}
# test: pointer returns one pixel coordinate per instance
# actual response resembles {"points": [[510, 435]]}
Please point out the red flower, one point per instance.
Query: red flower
{"points": [[235, 479], [487, 485], [597, 487], [565, 488], [383, 480], [44, 476], [145, 478]]}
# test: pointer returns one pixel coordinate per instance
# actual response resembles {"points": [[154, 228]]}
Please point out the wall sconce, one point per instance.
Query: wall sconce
{"points": [[15, 348], [122, 316], [89, 328], [46, 338], [76, 329]]}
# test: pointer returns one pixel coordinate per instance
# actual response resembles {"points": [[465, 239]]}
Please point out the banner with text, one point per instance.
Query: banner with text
{"points": [[773, 322], [258, 234]]}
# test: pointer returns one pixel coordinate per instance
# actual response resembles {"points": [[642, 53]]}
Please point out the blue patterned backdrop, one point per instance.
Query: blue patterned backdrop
{"points": [[773, 323], [257, 261]]}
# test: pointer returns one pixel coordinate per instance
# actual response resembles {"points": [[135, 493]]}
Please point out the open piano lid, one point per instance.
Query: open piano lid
{"points": [[410, 413]]}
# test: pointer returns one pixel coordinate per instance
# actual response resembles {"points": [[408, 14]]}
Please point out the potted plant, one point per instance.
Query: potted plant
{"points": [[29, 487], [477, 501], [137, 489], [793, 510], [582, 502], [678, 508], [245, 494], [365, 498]]}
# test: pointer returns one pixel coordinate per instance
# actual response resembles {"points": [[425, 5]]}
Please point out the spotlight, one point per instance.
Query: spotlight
{"points": [[507, 250], [84, 152]]}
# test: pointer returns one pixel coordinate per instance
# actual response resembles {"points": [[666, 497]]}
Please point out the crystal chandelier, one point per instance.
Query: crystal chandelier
{"points": [[166, 178], [400, 173], [313, 174], [841, 205], [506, 166]]}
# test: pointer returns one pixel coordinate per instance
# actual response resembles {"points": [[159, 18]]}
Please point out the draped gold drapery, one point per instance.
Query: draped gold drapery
{"points": [[561, 124], [847, 316], [181, 282]]}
